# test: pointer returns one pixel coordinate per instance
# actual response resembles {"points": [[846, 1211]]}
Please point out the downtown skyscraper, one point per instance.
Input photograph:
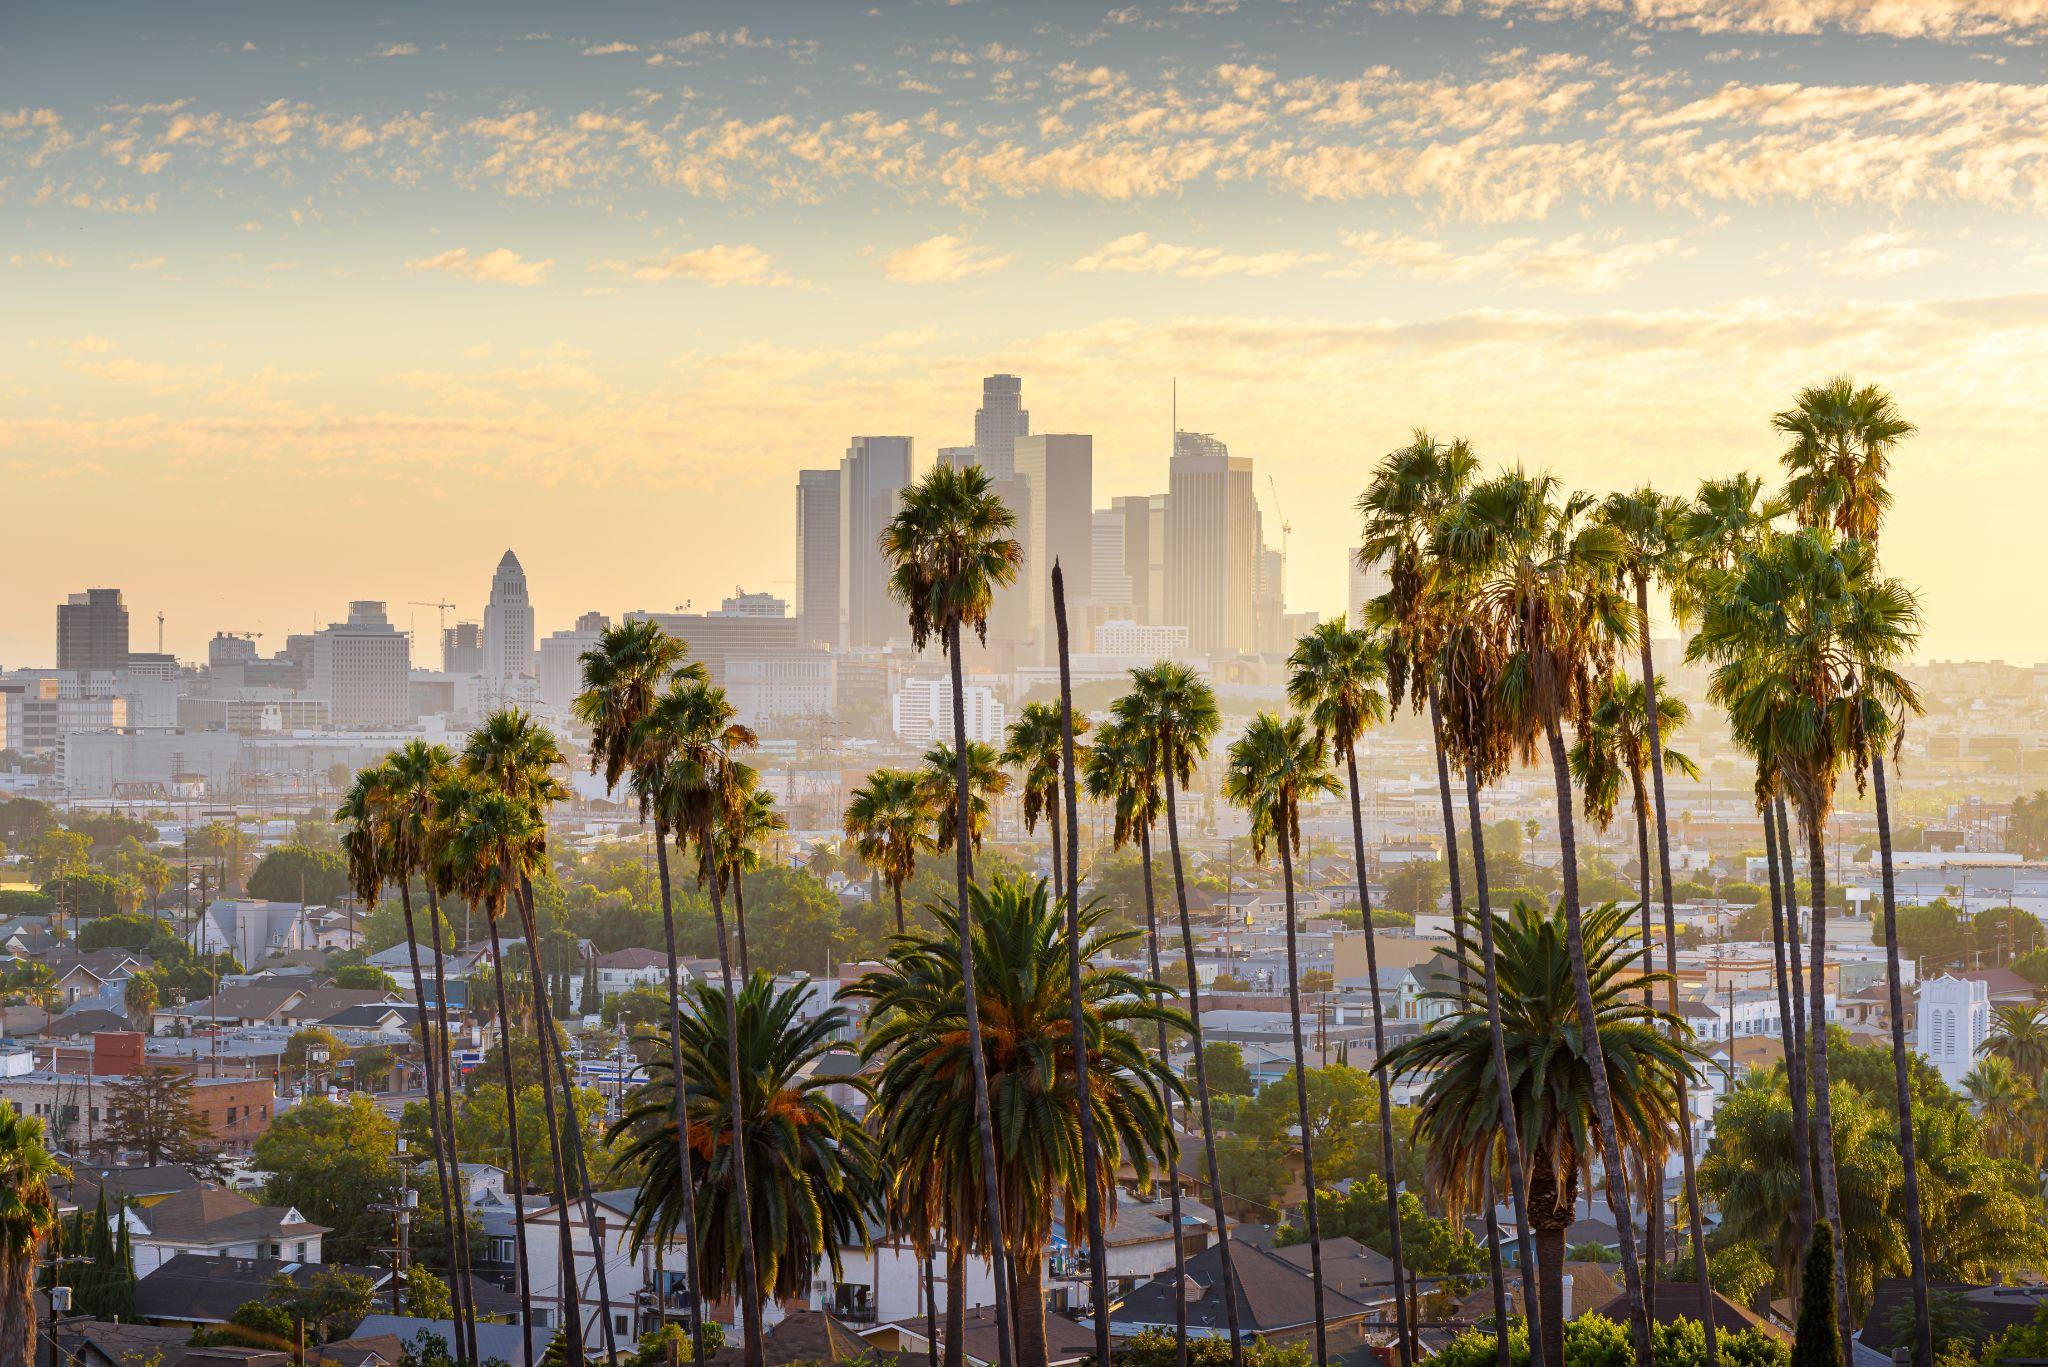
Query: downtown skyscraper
{"points": [[818, 618], [508, 625], [1056, 524], [1212, 542], [998, 423], [872, 476]]}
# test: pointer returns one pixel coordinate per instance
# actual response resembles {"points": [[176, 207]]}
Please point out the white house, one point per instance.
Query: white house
{"points": [[1954, 1020], [625, 969], [215, 1222]]}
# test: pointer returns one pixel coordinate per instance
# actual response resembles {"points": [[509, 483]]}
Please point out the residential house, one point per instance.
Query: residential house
{"points": [[280, 1005], [625, 969], [198, 1289], [1275, 1295], [251, 929], [218, 1223]]}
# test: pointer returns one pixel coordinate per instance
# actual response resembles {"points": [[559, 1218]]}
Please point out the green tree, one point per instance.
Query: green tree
{"points": [[887, 821], [921, 1114], [1817, 1342], [1032, 746], [364, 978], [1228, 1075], [334, 1161], [795, 921], [1415, 887], [283, 873], [150, 1114], [28, 1216]]}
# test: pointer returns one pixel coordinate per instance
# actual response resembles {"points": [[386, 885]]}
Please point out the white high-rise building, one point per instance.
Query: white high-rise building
{"points": [[363, 668], [873, 475], [561, 659], [1058, 525], [1109, 581], [1211, 545], [1365, 584], [508, 626], [922, 712], [998, 423], [817, 558]]}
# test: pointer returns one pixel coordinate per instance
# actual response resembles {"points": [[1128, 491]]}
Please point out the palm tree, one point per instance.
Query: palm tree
{"points": [[703, 738], [746, 821], [1412, 489], [1842, 440], [492, 837], [1025, 996], [1032, 747], [950, 548], [1336, 676], [1800, 633], [513, 754], [887, 819], [1648, 1065], [987, 780], [1273, 768], [1122, 774], [1545, 602], [2005, 1098], [812, 1171], [1172, 713], [27, 1215], [385, 812], [2019, 1036]]}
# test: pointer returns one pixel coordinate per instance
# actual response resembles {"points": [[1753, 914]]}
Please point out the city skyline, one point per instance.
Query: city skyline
{"points": [[575, 279]]}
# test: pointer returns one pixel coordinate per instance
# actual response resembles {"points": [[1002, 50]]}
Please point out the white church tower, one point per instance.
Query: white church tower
{"points": [[508, 627]]}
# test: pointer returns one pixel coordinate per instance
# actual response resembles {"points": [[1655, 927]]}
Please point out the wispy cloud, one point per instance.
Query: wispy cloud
{"points": [[1875, 255], [501, 266], [1583, 262], [1138, 254], [719, 266], [399, 50], [939, 259]]}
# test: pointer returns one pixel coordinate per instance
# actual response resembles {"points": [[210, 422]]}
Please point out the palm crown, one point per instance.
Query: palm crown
{"points": [[951, 548], [1273, 768]]}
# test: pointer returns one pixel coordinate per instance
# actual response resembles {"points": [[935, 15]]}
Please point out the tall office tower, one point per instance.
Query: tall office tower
{"points": [[956, 455], [462, 648], [875, 471], [508, 625], [1058, 472], [1211, 545], [561, 659], [1269, 592], [1365, 583], [363, 667], [229, 649], [817, 557], [1144, 518], [1107, 577], [998, 423], [92, 631]]}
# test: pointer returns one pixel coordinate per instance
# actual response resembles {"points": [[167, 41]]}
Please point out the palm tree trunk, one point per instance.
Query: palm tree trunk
{"points": [[547, 1044], [1695, 1226], [1180, 1260], [684, 1167], [1916, 1231], [438, 1136], [1787, 861], [931, 1314], [577, 1166], [520, 1259], [1187, 949], [896, 889], [1493, 1260], [1504, 1097], [956, 1302], [962, 875], [750, 1281], [463, 1286], [1091, 1154], [1308, 1152], [739, 920], [1031, 1310], [1379, 1050], [1053, 825], [1653, 1164], [1596, 1056], [1789, 1010], [1823, 1117]]}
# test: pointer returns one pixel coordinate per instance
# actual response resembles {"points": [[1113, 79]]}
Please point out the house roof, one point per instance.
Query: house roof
{"points": [[202, 1289], [124, 1345], [90, 1021], [803, 1336], [134, 1183], [1273, 1293], [374, 1350], [1065, 1341], [370, 1016], [1998, 1308], [632, 958], [208, 1214], [2001, 982], [1681, 1300], [500, 1341]]}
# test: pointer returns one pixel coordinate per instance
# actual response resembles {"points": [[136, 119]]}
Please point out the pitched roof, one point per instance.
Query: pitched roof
{"points": [[1273, 1293], [1998, 1308], [803, 1336], [91, 1021], [1681, 1300], [200, 1288], [208, 1214], [124, 1345], [500, 1341], [134, 1183], [632, 958]]}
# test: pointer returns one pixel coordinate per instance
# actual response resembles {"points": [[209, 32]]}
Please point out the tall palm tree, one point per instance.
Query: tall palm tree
{"points": [[1032, 747], [746, 821], [2005, 1099], [1025, 997], [2019, 1035], [1411, 490], [492, 837], [950, 549], [385, 813], [1336, 676], [1544, 594], [1800, 633], [887, 820], [812, 1172], [1121, 773], [630, 666], [1274, 768], [1647, 1067], [513, 754], [27, 1216], [1842, 438], [704, 739], [1172, 713]]}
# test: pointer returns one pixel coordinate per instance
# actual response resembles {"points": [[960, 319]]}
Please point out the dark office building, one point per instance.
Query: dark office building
{"points": [[92, 631]]}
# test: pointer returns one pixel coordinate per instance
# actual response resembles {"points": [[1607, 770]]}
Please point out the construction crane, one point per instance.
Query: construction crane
{"points": [[1286, 527], [443, 608]]}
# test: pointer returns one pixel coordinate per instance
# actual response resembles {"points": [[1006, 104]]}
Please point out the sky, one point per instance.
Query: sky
{"points": [[302, 304]]}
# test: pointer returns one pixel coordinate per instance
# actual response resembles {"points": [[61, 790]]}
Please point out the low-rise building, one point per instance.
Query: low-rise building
{"points": [[214, 1222]]}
